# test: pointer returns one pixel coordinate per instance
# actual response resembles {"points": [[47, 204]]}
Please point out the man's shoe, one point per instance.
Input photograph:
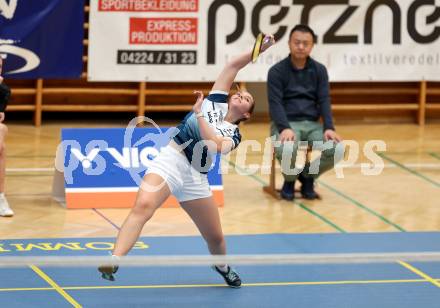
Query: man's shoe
{"points": [[307, 187], [288, 191], [5, 210], [231, 277]]}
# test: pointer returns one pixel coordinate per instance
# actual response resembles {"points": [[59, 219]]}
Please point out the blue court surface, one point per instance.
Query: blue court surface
{"points": [[397, 284]]}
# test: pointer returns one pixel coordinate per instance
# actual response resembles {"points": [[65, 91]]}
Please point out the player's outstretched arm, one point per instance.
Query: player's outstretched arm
{"points": [[227, 76]]}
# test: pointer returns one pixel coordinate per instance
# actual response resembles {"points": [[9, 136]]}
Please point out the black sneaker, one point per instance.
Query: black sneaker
{"points": [[307, 187], [107, 271], [231, 277], [288, 191]]}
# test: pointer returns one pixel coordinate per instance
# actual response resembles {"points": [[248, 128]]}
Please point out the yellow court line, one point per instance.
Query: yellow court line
{"points": [[420, 273], [55, 286], [258, 284], [25, 289]]}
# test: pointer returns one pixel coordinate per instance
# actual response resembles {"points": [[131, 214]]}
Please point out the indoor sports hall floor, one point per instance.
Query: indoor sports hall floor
{"points": [[397, 284], [358, 213]]}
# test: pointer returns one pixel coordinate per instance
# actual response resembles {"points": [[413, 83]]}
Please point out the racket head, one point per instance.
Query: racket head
{"points": [[257, 47]]}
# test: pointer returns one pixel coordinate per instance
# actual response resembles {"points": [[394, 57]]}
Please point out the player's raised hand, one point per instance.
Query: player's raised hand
{"points": [[268, 41], [198, 104]]}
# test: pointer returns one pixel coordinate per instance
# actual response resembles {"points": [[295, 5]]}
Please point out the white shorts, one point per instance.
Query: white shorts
{"points": [[185, 182]]}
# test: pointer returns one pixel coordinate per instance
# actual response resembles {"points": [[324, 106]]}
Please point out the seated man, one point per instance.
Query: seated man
{"points": [[298, 94], [5, 93]]}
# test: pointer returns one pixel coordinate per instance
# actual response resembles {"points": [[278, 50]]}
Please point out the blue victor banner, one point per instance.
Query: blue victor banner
{"points": [[115, 157], [103, 167], [41, 39]]}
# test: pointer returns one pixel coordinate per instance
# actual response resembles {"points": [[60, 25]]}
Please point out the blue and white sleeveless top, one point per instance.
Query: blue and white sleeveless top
{"points": [[214, 108]]}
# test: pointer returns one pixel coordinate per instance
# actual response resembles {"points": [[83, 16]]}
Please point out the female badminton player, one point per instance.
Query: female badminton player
{"points": [[180, 168]]}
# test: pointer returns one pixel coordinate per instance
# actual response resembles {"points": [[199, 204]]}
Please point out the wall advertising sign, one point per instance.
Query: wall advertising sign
{"points": [[190, 40]]}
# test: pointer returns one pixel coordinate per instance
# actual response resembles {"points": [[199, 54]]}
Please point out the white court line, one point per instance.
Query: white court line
{"points": [[29, 169], [355, 166], [415, 166], [118, 189]]}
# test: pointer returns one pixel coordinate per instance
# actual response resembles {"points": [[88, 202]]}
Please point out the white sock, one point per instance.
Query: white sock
{"points": [[223, 268], [2, 195]]}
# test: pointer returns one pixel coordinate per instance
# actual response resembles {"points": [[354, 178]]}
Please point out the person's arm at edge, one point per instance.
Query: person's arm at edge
{"points": [[5, 93]]}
